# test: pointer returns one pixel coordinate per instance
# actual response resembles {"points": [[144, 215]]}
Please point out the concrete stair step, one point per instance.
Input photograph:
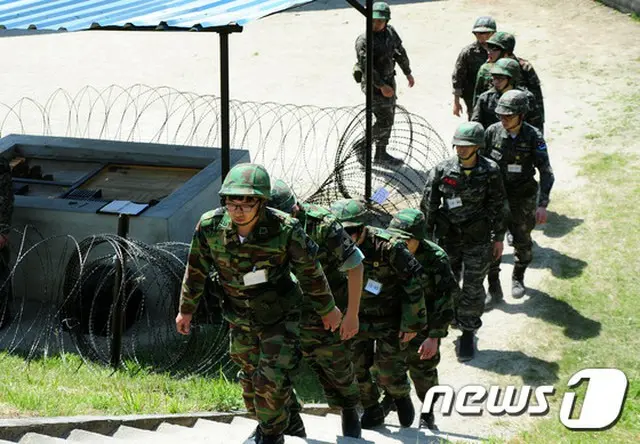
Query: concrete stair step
{"points": [[217, 433], [230, 433], [79, 435], [36, 438], [143, 436]]}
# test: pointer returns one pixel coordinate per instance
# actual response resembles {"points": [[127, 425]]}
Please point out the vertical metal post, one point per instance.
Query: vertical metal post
{"points": [[224, 103], [369, 103], [118, 296]]}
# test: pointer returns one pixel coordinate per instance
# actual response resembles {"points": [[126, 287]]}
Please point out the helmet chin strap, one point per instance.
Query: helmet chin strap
{"points": [[520, 120], [468, 157], [260, 209]]}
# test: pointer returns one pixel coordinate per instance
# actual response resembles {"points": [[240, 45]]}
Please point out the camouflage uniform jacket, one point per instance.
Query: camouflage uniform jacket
{"points": [[335, 247], [484, 110], [400, 301], [277, 244], [531, 81], [439, 284], [483, 81], [518, 158], [469, 61], [387, 50], [464, 200], [6, 194]]}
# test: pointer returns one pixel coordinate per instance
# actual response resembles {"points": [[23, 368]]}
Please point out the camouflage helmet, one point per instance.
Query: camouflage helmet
{"points": [[513, 102], [469, 134], [381, 11], [484, 24], [410, 221], [282, 197], [350, 212], [247, 179], [507, 67], [503, 40]]}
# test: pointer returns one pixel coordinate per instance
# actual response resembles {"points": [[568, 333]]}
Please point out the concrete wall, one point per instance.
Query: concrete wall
{"points": [[624, 5]]}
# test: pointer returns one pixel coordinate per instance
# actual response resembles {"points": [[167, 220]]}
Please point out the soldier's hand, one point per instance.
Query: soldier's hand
{"points": [[457, 107], [332, 319], [411, 81], [350, 326], [183, 323], [498, 247], [407, 336], [387, 91], [541, 215], [428, 348]]}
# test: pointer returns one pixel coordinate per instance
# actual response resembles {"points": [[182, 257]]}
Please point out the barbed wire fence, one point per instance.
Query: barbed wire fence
{"points": [[63, 302]]}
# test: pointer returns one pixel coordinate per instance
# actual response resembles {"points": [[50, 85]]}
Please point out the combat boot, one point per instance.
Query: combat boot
{"points": [[296, 426], [372, 417], [428, 420], [382, 157], [467, 347], [388, 404], [261, 438], [517, 282], [494, 295], [351, 423], [406, 412]]}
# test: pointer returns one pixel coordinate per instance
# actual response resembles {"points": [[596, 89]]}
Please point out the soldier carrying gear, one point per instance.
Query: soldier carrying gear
{"points": [[392, 312], [423, 353], [387, 51], [469, 61], [519, 149], [341, 260], [463, 202], [254, 249], [505, 75]]}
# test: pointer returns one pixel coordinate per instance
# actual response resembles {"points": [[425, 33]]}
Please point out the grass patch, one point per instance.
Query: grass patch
{"points": [[605, 292], [63, 386]]}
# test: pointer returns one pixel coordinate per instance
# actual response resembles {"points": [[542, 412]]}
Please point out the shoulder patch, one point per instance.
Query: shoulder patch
{"points": [[542, 146]]}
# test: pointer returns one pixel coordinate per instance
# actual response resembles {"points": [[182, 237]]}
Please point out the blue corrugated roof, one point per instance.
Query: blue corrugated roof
{"points": [[75, 15]]}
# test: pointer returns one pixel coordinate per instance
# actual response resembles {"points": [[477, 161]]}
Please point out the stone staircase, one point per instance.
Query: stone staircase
{"points": [[320, 430]]}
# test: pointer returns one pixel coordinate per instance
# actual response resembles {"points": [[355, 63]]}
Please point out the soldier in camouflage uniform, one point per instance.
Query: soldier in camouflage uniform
{"points": [[519, 149], [254, 249], [463, 201], [501, 45], [506, 75], [423, 354], [387, 51], [341, 260], [469, 61], [6, 212], [392, 312]]}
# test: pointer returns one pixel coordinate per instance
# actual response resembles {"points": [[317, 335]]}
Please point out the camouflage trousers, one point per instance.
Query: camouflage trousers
{"points": [[521, 221], [379, 353], [266, 359], [384, 110], [423, 373], [471, 261], [330, 359]]}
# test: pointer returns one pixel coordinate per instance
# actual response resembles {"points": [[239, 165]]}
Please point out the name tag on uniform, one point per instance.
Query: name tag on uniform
{"points": [[255, 277], [454, 202], [373, 287], [496, 154], [514, 168]]}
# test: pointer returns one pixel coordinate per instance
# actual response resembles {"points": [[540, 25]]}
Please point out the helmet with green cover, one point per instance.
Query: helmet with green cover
{"points": [[513, 102], [411, 222], [381, 11], [507, 67], [282, 197], [469, 134], [247, 179], [351, 212]]}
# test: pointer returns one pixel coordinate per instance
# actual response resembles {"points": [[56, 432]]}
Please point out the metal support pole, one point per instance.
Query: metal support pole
{"points": [[118, 296], [369, 103], [224, 103]]}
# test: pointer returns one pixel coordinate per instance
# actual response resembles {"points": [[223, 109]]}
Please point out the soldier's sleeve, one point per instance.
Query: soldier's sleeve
{"points": [[459, 73], [361, 54], [481, 83], [339, 245], [445, 286], [477, 111], [532, 82], [496, 204], [431, 199], [6, 194], [302, 255], [410, 274], [534, 116], [400, 55], [199, 263], [544, 168]]}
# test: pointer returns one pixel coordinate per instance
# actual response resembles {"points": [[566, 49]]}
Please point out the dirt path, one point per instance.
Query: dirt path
{"points": [[584, 53]]}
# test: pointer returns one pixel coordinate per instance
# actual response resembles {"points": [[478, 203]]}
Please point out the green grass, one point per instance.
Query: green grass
{"points": [[605, 292], [61, 386]]}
